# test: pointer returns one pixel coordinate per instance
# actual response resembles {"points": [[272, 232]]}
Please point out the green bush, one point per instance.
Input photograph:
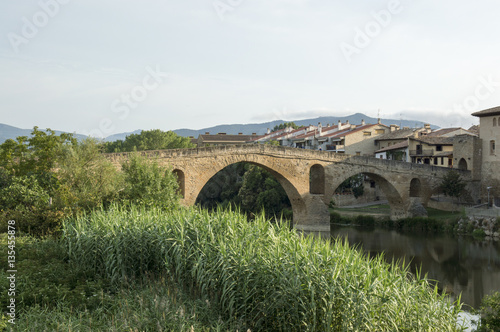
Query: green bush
{"points": [[490, 313], [478, 233], [149, 184]]}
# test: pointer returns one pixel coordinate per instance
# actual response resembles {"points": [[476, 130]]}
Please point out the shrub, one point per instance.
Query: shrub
{"points": [[490, 313], [149, 184]]}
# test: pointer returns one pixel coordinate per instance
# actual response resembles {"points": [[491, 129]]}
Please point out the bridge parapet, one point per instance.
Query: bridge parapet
{"points": [[264, 149]]}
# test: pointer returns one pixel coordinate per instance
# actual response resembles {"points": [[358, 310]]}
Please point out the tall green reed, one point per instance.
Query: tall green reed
{"points": [[259, 275]]}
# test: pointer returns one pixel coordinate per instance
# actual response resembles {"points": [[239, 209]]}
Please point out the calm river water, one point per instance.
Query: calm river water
{"points": [[460, 265]]}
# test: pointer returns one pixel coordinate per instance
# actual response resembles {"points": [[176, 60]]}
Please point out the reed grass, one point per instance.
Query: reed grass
{"points": [[258, 275]]}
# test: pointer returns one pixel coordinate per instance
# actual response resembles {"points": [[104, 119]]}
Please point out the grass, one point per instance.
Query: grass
{"points": [[255, 275], [54, 294]]}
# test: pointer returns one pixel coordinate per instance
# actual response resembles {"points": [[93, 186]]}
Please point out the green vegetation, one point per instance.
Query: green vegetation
{"points": [[452, 185], [490, 313], [354, 185], [285, 125], [149, 140], [437, 222], [47, 177], [256, 275], [248, 187]]}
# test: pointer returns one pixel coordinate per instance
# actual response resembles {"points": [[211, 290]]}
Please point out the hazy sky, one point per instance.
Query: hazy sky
{"points": [[111, 66]]}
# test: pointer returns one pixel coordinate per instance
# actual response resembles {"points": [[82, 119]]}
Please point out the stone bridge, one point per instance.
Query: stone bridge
{"points": [[309, 177]]}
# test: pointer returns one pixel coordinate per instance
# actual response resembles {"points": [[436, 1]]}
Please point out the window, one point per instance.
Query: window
{"points": [[367, 133], [380, 131], [358, 153], [494, 122], [492, 147], [439, 148]]}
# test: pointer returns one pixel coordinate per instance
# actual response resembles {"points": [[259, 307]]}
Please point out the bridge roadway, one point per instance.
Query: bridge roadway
{"points": [[309, 177]]}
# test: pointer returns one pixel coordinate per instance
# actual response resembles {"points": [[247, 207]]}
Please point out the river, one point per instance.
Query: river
{"points": [[460, 265]]}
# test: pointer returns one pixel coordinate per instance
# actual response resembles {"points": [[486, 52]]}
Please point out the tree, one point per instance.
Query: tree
{"points": [[285, 125], [88, 180], [36, 156], [452, 185], [149, 184], [149, 140]]}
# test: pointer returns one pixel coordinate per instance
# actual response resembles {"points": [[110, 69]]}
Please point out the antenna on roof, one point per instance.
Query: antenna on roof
{"points": [[400, 120]]}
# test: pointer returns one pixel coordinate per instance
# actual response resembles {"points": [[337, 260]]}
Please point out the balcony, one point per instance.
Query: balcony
{"points": [[422, 153]]}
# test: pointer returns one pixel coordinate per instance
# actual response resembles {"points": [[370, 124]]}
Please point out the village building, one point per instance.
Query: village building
{"points": [[489, 133]]}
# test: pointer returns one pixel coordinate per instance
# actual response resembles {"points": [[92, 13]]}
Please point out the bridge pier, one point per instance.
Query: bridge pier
{"points": [[312, 216]]}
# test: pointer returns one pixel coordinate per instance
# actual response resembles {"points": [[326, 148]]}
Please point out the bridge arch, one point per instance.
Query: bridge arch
{"points": [[297, 203], [393, 195]]}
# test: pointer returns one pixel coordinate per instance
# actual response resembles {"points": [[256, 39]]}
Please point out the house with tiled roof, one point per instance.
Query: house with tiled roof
{"points": [[357, 140]]}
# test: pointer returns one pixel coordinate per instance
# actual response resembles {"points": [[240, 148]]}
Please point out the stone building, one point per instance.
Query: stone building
{"points": [[489, 133]]}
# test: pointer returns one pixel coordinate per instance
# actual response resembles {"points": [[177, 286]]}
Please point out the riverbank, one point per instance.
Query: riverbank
{"points": [[481, 224]]}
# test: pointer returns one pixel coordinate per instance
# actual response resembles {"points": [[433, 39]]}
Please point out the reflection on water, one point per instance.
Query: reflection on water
{"points": [[460, 265]]}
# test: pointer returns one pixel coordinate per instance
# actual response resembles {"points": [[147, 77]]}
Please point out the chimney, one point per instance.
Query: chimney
{"points": [[320, 127], [221, 134], [393, 127], [353, 126], [240, 133], [268, 131], [207, 133], [254, 134], [427, 127], [363, 122], [339, 125], [379, 121]]}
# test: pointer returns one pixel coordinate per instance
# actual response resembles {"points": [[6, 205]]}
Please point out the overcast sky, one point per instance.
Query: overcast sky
{"points": [[104, 67]]}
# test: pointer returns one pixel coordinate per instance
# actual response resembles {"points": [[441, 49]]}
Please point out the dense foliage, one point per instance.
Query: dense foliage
{"points": [[354, 185], [149, 140], [285, 125], [452, 184], [48, 177], [256, 275], [247, 186], [490, 310]]}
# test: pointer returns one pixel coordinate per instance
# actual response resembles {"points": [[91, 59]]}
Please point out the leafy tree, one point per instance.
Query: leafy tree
{"points": [[149, 140], [285, 125], [260, 190], [149, 184], [88, 180], [23, 193], [37, 156], [452, 185]]}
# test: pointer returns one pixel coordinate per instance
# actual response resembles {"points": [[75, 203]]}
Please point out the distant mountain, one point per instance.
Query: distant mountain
{"points": [[261, 128], [11, 132], [7, 131]]}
